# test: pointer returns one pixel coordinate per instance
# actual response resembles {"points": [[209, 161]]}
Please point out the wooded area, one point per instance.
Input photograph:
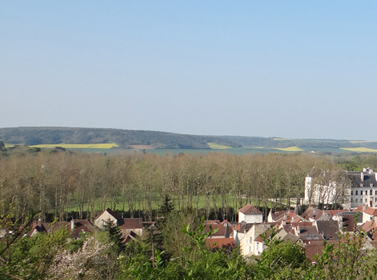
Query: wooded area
{"points": [[124, 138], [63, 182]]}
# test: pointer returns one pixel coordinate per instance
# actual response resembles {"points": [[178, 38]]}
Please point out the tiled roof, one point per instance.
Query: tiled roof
{"points": [[217, 243], [312, 213], [131, 223], [307, 229], [371, 211], [315, 248], [224, 228], [369, 226], [250, 210], [81, 226], [328, 229], [356, 181]]}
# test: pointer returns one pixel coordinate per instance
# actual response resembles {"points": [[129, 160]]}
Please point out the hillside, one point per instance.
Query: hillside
{"points": [[275, 142], [124, 138]]}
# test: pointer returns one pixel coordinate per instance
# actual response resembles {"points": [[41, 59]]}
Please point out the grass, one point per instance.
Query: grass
{"points": [[290, 149], [78, 146], [198, 201], [216, 146], [360, 150]]}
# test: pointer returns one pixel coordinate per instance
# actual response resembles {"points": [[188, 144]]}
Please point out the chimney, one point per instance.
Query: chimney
{"points": [[72, 224]]}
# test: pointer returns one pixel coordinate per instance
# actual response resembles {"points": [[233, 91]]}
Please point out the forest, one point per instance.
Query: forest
{"points": [[60, 183]]}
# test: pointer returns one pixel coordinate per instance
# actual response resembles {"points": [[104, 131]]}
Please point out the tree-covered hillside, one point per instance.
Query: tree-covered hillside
{"points": [[124, 138]]}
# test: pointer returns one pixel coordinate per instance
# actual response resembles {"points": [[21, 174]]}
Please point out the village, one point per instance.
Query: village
{"points": [[309, 229]]}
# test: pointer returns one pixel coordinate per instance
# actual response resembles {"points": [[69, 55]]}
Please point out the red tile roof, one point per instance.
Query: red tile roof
{"points": [[249, 210], [371, 211], [81, 226], [131, 223], [216, 243]]}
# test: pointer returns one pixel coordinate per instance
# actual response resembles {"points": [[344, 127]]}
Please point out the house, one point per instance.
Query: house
{"points": [[286, 216], [250, 214], [129, 225], [75, 227], [329, 229], [105, 217], [224, 229], [246, 240]]}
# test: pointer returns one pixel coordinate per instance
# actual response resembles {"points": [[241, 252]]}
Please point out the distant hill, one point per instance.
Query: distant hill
{"points": [[276, 142], [124, 138], [141, 139]]}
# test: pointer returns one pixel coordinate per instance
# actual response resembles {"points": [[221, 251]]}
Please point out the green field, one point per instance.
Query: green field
{"points": [[197, 202]]}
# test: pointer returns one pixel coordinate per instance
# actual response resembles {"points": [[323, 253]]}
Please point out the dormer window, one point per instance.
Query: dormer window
{"points": [[361, 185], [371, 185]]}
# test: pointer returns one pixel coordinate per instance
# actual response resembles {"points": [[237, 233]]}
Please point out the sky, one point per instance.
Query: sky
{"points": [[292, 69]]}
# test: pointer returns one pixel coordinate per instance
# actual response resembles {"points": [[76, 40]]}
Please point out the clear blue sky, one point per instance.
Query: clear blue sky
{"points": [[295, 69]]}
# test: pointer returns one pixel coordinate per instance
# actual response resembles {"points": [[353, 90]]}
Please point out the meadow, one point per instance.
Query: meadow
{"points": [[77, 146]]}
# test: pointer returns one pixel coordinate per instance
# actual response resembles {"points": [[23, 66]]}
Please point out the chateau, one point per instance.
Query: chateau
{"points": [[351, 188]]}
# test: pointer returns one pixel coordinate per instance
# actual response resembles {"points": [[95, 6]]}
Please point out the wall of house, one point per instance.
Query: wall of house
{"points": [[247, 242], [103, 219], [250, 219]]}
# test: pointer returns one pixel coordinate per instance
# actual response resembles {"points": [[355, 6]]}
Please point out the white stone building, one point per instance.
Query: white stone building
{"points": [[352, 189]]}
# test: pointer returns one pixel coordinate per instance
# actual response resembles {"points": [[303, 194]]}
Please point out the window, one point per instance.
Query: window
{"points": [[351, 192], [365, 200], [250, 240], [375, 192], [351, 200], [356, 200], [361, 192], [356, 192], [370, 192]]}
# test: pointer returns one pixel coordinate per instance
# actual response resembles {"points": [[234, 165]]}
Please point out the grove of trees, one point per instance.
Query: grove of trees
{"points": [[62, 182]]}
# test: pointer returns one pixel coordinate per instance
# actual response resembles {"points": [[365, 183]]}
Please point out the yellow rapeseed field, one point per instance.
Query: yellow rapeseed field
{"points": [[78, 146], [290, 149], [279, 139], [358, 142], [216, 146], [360, 150]]}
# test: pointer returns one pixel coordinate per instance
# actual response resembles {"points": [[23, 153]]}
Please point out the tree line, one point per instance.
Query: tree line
{"points": [[62, 181]]}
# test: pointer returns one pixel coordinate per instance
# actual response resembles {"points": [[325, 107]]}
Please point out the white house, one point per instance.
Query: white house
{"points": [[106, 217], [250, 214], [248, 245]]}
